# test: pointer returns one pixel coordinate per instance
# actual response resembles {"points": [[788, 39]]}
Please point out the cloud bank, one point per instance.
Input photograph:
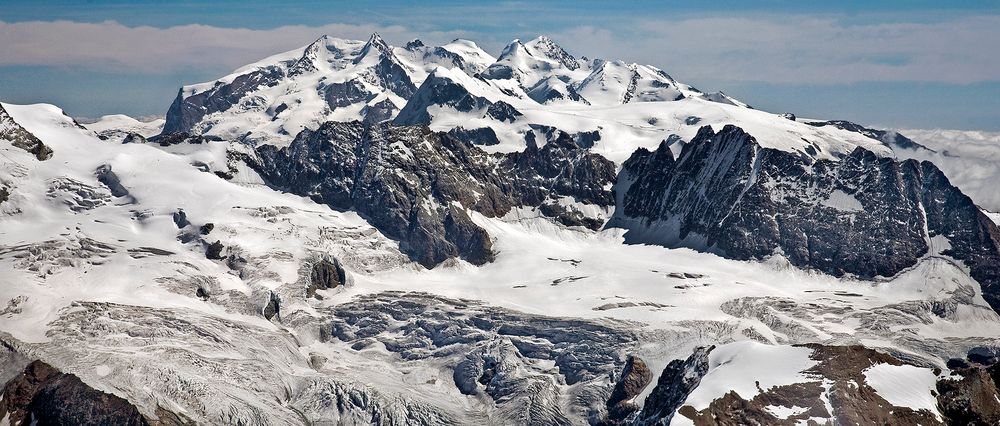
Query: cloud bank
{"points": [[970, 159], [783, 49]]}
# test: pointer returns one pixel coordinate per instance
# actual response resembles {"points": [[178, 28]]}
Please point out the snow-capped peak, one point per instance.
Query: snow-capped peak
{"points": [[546, 48], [513, 49], [375, 43]]}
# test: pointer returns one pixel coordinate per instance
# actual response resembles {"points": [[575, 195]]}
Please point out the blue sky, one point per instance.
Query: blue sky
{"points": [[912, 64]]}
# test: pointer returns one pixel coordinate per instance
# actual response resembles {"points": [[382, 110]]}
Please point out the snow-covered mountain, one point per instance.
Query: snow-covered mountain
{"points": [[458, 85], [356, 233]]}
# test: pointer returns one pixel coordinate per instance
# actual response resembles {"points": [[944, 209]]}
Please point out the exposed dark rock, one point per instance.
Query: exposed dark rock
{"points": [[677, 381], [502, 111], [43, 395], [180, 218], [479, 136], [325, 275], [186, 112], [134, 138], [581, 139], [4, 194], [202, 293], [413, 44], [837, 382], [887, 137], [379, 111], [406, 180], [861, 215], [634, 378], [971, 398], [438, 90], [347, 93], [273, 307], [168, 139], [111, 180], [21, 138], [214, 251], [235, 262], [984, 355], [787, 116], [206, 228]]}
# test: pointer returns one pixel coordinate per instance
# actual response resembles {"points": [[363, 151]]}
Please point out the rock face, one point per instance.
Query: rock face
{"points": [[676, 382], [21, 138], [861, 215], [634, 378], [835, 388], [417, 186], [45, 396], [325, 275], [970, 395]]}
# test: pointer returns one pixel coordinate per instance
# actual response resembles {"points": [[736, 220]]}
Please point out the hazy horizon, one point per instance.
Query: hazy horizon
{"points": [[892, 64]]}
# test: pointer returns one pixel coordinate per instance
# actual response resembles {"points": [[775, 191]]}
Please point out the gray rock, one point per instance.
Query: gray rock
{"points": [[861, 215], [677, 381], [415, 185], [21, 138]]}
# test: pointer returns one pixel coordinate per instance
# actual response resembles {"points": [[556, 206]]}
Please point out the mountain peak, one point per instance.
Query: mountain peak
{"points": [[513, 48], [375, 43], [545, 47], [414, 44]]}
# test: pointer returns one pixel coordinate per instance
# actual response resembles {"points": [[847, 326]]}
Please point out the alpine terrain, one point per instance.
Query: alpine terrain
{"points": [[359, 233]]}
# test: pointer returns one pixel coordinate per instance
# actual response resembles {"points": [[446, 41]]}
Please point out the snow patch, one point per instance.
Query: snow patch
{"points": [[904, 385]]}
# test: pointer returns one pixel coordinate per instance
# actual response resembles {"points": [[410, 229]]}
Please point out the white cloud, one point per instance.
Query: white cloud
{"points": [[970, 159], [774, 48], [803, 49], [111, 46]]}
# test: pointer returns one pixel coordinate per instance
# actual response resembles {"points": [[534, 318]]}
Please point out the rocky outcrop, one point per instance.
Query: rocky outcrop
{"points": [[45, 396], [214, 251], [634, 378], [861, 215], [970, 395], [187, 111], [439, 90], [21, 138], [109, 179], [835, 390], [325, 275], [676, 382], [416, 186], [479, 136]]}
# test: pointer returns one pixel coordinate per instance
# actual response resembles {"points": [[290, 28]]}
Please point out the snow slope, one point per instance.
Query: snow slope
{"points": [[74, 247], [118, 123]]}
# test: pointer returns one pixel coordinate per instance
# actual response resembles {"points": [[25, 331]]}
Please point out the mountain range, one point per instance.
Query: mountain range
{"points": [[357, 233]]}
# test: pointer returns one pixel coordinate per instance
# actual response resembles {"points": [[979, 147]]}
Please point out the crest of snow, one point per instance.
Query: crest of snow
{"points": [[128, 124], [743, 366], [904, 385], [995, 217], [470, 51]]}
